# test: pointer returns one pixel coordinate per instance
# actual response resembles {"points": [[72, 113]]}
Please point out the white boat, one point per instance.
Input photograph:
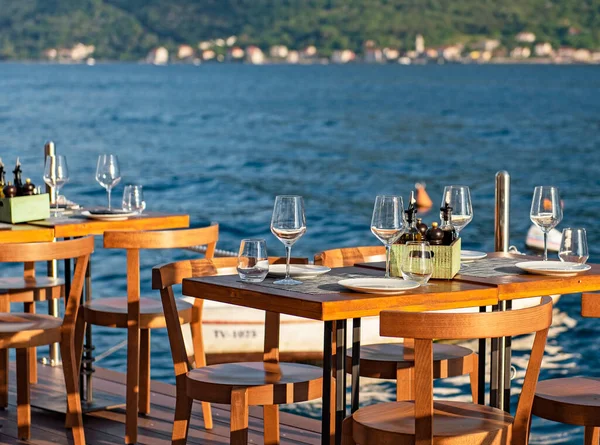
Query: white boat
{"points": [[535, 239]]}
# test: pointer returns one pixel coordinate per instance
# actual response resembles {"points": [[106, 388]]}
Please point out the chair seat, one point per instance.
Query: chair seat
{"points": [[112, 312], [21, 330], [574, 400], [383, 360], [453, 422], [292, 383], [32, 289]]}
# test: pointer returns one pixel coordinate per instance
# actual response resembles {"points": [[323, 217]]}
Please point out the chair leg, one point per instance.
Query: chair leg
{"points": [[71, 374], [144, 407], [405, 384], [592, 435], [200, 358], [271, 424], [29, 308], [133, 376], [238, 434], [474, 378], [80, 326], [23, 406], [4, 307], [181, 423], [347, 438], [3, 378]]}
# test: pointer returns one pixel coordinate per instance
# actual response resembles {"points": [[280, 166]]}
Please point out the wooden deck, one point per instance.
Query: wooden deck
{"points": [[108, 427]]}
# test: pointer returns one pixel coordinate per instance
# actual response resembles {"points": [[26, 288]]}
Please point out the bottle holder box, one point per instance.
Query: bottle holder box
{"points": [[24, 208], [446, 260]]}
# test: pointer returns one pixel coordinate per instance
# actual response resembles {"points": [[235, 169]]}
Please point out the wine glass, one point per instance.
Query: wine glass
{"points": [[288, 224], [387, 223], [417, 262], [573, 246], [56, 174], [546, 211], [459, 198], [107, 173]]}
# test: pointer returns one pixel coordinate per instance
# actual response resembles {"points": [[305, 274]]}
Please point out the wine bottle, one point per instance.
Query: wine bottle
{"points": [[18, 182]]}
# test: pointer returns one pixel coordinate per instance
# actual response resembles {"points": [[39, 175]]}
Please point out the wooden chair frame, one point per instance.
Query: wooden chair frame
{"points": [[70, 334], [138, 340], [426, 326], [164, 277]]}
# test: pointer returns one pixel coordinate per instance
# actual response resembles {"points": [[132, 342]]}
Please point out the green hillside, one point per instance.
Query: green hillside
{"points": [[128, 29]]}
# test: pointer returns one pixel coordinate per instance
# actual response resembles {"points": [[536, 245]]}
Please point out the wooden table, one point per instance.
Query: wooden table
{"points": [[337, 307], [512, 287], [24, 233], [75, 225]]}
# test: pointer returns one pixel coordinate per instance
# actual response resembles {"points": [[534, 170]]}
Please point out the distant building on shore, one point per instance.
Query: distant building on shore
{"points": [[78, 53], [343, 56], [520, 52], [543, 50], [185, 52], [254, 55], [419, 44], [278, 51], [525, 37], [158, 56]]}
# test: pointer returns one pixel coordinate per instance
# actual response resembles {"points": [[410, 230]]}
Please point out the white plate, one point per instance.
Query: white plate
{"points": [[298, 270], [381, 286], [108, 216], [553, 268], [471, 255]]}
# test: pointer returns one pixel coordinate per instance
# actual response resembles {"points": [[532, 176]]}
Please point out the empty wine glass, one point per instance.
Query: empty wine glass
{"points": [[253, 261], [56, 174], [573, 246], [288, 224], [546, 211], [387, 223], [417, 262], [108, 173], [133, 199], [459, 198]]}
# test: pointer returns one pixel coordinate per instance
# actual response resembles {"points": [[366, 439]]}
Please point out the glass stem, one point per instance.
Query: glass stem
{"points": [[108, 193], [545, 246], [388, 251], [56, 198], [288, 255]]}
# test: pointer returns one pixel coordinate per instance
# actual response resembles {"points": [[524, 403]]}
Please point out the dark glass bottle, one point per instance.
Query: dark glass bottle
{"points": [[28, 188], [411, 233], [18, 181], [435, 236], [422, 227], [10, 191], [450, 233], [2, 179]]}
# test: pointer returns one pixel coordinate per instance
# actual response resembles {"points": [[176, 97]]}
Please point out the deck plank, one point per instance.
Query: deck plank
{"points": [[107, 427]]}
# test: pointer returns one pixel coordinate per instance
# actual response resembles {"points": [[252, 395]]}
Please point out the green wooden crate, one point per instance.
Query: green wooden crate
{"points": [[446, 260], [24, 208]]}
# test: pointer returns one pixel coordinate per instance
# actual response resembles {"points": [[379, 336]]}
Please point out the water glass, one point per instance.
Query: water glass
{"points": [[417, 262], [288, 224], [387, 223], [253, 261], [133, 199], [546, 211], [56, 174], [573, 246]]}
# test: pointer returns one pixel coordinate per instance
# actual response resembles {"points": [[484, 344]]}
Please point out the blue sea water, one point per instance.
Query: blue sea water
{"points": [[220, 141]]}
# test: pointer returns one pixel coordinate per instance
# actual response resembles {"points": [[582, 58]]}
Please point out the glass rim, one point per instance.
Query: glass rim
{"points": [[133, 185], [418, 243], [456, 186], [253, 240], [546, 187], [288, 196], [573, 228], [388, 196]]}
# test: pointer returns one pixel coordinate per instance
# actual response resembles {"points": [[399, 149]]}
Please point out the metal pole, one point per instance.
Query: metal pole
{"points": [[54, 360], [500, 394]]}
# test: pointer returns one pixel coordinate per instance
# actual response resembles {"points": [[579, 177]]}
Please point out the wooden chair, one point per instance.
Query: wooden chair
{"points": [[396, 360], [425, 421], [140, 315], [268, 383], [28, 290], [24, 331], [573, 400]]}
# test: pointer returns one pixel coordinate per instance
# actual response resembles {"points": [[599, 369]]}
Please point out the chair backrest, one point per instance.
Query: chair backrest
{"points": [[590, 305], [165, 276], [424, 327], [81, 249], [349, 256]]}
